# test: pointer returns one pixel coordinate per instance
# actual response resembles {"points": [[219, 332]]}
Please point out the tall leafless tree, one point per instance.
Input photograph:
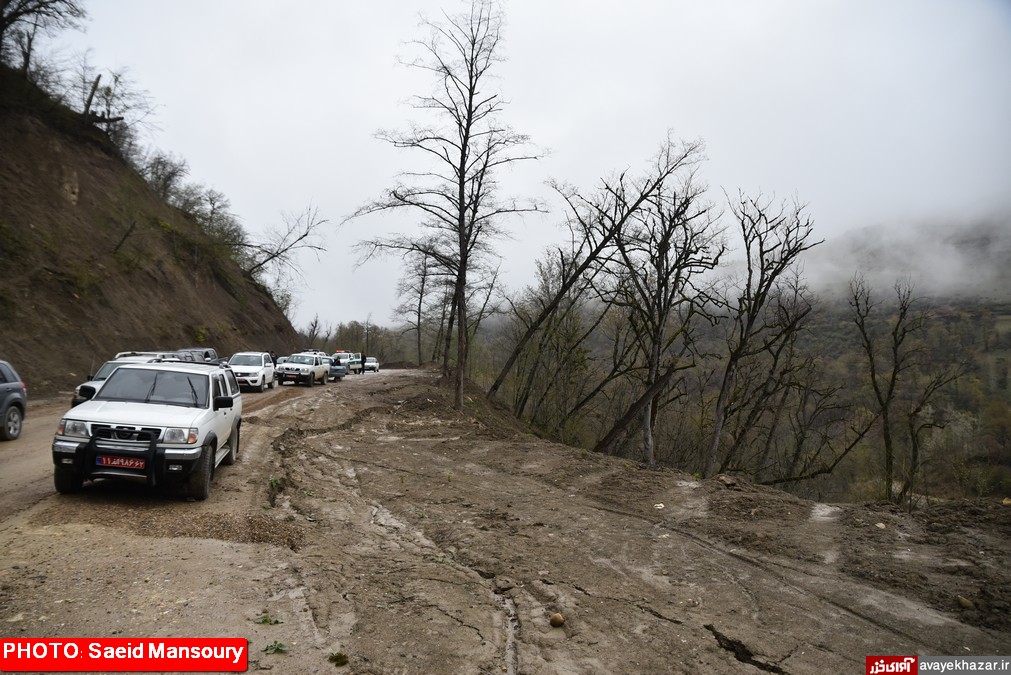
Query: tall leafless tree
{"points": [[467, 145], [889, 355], [414, 290], [660, 267], [897, 370], [774, 237], [595, 220]]}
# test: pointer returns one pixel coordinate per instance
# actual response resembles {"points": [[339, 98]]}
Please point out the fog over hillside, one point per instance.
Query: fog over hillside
{"points": [[941, 259]]}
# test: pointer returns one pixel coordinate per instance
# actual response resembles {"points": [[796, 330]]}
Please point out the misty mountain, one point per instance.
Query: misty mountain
{"points": [[942, 260]]}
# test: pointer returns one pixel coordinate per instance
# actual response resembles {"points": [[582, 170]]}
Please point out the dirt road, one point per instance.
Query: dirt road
{"points": [[368, 519]]}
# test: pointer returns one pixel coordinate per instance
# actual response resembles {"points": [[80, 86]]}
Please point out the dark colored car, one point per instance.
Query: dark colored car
{"points": [[338, 368], [13, 402], [202, 353]]}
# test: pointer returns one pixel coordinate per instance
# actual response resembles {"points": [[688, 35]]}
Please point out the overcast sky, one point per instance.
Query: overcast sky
{"points": [[874, 112]]}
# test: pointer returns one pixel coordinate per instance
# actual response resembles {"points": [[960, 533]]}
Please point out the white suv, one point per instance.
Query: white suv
{"points": [[305, 367], [162, 423], [253, 369]]}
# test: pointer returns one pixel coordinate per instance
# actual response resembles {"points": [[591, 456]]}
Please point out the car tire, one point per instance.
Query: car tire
{"points": [[11, 428], [311, 380], [233, 448], [271, 385], [198, 484], [263, 385], [67, 481]]}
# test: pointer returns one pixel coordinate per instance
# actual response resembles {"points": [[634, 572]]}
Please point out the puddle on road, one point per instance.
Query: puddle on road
{"points": [[824, 513]]}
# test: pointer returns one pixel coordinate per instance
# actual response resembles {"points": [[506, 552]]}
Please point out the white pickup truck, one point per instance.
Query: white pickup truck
{"points": [[305, 367], [160, 423]]}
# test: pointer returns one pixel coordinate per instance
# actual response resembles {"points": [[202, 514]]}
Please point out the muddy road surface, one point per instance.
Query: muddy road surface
{"points": [[367, 519]]}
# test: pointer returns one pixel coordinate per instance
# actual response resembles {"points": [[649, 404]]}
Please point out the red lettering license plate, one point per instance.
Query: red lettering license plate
{"points": [[291, 376], [120, 462]]}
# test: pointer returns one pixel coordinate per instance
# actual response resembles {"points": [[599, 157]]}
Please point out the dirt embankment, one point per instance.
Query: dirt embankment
{"points": [[368, 519]]}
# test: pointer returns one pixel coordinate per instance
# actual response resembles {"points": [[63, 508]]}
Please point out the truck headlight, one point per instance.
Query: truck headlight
{"points": [[72, 428], [181, 435]]}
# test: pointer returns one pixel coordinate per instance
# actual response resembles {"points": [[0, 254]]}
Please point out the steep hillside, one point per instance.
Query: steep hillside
{"points": [[92, 262]]}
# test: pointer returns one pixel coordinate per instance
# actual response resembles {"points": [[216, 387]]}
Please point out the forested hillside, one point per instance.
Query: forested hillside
{"points": [[93, 261]]}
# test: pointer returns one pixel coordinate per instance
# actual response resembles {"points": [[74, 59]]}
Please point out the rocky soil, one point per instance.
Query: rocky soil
{"points": [[368, 520]]}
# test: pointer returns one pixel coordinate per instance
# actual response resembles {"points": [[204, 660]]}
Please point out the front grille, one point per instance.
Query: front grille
{"points": [[125, 433]]}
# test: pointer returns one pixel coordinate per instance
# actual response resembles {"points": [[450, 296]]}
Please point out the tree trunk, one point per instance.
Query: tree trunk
{"points": [[718, 419], [461, 346], [91, 95], [607, 444]]}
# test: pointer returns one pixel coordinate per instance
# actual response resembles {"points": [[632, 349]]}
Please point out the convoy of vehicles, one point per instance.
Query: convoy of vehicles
{"points": [[164, 417]]}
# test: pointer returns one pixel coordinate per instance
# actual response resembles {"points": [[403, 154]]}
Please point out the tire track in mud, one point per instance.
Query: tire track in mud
{"points": [[764, 565], [299, 447]]}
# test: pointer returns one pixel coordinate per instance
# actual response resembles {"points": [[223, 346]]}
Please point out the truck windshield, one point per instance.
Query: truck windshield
{"points": [[156, 386], [106, 370], [246, 360]]}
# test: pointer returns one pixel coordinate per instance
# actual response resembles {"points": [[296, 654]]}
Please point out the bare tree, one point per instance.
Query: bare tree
{"points": [[897, 373], [44, 73], [468, 146], [887, 359], [299, 233], [313, 330], [662, 257], [413, 289], [122, 109], [165, 173], [774, 238], [595, 220], [47, 15], [24, 40]]}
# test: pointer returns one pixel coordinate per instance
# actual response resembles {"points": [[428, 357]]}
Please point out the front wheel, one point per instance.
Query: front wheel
{"points": [[233, 448], [11, 428], [312, 380], [198, 485], [67, 481]]}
